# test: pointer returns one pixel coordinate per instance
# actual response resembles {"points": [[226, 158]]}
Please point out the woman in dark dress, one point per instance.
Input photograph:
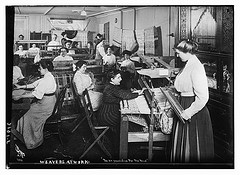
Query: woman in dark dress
{"points": [[109, 112], [192, 141]]}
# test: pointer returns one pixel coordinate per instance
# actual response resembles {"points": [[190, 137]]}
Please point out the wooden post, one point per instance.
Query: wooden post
{"points": [[150, 141], [123, 151]]}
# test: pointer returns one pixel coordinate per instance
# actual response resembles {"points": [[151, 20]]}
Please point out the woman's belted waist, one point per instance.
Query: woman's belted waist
{"points": [[51, 94], [111, 103], [187, 94]]}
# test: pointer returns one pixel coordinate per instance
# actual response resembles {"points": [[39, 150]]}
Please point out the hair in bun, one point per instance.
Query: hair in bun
{"points": [[187, 46]]}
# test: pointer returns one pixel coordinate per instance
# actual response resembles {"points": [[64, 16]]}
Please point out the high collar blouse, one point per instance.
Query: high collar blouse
{"points": [[192, 81], [82, 81], [45, 85], [109, 60]]}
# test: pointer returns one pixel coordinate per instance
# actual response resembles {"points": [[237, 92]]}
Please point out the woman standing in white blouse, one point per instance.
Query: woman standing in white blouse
{"points": [[192, 141], [32, 123]]}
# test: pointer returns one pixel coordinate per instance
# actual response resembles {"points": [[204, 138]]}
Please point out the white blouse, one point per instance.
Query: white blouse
{"points": [[109, 60], [17, 74], [100, 52], [45, 85], [53, 43], [192, 81], [21, 53], [36, 49], [61, 58], [82, 82]]}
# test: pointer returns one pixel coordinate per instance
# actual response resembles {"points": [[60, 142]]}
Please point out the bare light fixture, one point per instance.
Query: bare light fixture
{"points": [[83, 12]]}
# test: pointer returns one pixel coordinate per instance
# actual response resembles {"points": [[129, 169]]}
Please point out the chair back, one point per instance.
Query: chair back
{"points": [[85, 100], [74, 88], [62, 79], [75, 94], [59, 102], [98, 132]]}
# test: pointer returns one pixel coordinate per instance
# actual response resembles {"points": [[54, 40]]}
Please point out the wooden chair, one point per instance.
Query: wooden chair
{"points": [[57, 118], [78, 103], [97, 132]]}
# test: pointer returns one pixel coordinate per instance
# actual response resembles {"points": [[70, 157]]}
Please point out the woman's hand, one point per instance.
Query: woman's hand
{"points": [[17, 97], [91, 87], [17, 86], [141, 92], [185, 116]]}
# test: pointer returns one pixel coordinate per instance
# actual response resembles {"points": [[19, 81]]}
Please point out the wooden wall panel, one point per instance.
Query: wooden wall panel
{"points": [[227, 29]]}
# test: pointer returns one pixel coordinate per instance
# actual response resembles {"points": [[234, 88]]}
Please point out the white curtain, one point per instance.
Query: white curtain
{"points": [[68, 24]]}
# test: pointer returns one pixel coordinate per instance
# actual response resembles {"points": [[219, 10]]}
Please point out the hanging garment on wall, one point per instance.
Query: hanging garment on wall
{"points": [[140, 40], [127, 39], [117, 37], [135, 46], [159, 48]]}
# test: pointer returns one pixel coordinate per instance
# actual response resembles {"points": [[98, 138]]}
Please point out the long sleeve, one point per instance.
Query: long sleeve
{"points": [[35, 83], [200, 89], [125, 94], [45, 85], [193, 82], [113, 94], [101, 51]]}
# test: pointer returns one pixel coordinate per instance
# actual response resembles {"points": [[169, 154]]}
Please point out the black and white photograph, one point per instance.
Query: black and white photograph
{"points": [[120, 86]]}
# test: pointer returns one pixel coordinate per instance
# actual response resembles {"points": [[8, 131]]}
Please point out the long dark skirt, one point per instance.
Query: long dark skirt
{"points": [[192, 141], [31, 125], [109, 114]]}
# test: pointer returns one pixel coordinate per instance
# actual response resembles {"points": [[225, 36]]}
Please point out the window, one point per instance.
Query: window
{"points": [[212, 28]]}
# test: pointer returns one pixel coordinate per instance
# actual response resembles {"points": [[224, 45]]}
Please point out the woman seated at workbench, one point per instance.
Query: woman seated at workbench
{"points": [[109, 112], [22, 53], [18, 77], [109, 60], [128, 71], [63, 55], [17, 73], [84, 80], [32, 123]]}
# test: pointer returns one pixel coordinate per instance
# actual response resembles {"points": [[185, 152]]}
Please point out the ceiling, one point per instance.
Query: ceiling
{"points": [[67, 12]]}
